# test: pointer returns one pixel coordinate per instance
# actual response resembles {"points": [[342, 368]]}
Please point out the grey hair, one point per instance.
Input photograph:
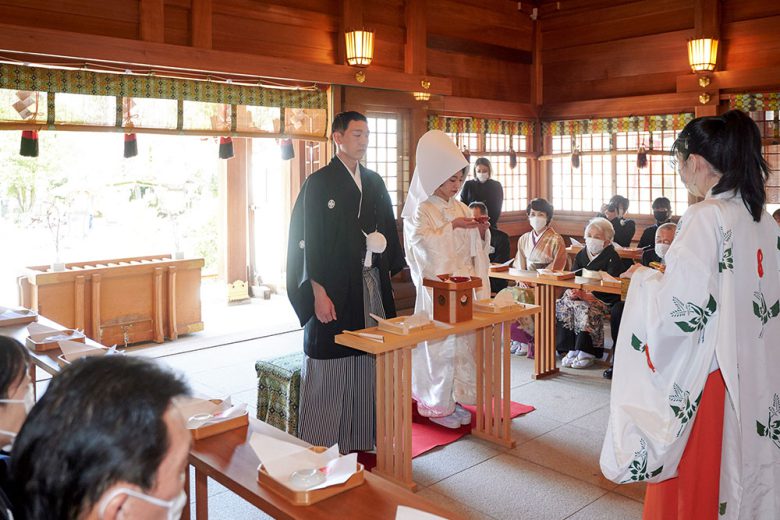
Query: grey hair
{"points": [[604, 225], [668, 225]]}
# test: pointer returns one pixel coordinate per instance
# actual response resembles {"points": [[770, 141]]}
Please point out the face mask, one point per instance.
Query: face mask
{"points": [[482, 176], [661, 215], [538, 223], [661, 249], [594, 245], [28, 401], [175, 506]]}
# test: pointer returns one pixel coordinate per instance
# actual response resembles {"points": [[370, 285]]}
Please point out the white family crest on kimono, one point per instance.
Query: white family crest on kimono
{"points": [[716, 306], [442, 371]]}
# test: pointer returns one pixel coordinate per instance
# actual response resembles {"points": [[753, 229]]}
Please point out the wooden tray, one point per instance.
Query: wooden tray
{"points": [[45, 343], [307, 498], [28, 316], [487, 305], [442, 283], [498, 268], [63, 362], [555, 275], [394, 326], [211, 430]]}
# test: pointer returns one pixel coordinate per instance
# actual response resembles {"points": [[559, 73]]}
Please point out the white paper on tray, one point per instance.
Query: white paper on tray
{"points": [[8, 313], [73, 350], [211, 413], [36, 330], [281, 459], [410, 513], [503, 299], [576, 243]]}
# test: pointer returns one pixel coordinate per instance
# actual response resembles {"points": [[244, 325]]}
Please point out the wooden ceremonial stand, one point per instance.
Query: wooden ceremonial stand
{"points": [[394, 384], [544, 297]]}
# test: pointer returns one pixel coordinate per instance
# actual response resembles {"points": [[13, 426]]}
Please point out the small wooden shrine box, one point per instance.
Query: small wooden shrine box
{"points": [[452, 301]]}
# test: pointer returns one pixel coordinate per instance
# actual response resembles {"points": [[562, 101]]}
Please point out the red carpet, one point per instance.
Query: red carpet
{"points": [[427, 435]]}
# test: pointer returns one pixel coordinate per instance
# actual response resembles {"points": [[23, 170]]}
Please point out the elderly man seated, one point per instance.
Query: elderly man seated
{"points": [[664, 236], [104, 442]]}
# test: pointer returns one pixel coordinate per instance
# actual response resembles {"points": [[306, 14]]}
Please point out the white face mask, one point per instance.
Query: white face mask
{"points": [[174, 507], [483, 176], [538, 223], [595, 246], [661, 249], [28, 401]]}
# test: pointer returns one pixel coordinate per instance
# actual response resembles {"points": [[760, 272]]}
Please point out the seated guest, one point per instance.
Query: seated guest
{"points": [[664, 236], [16, 400], [499, 245], [616, 214], [482, 188], [662, 212], [105, 441], [540, 248], [579, 314]]}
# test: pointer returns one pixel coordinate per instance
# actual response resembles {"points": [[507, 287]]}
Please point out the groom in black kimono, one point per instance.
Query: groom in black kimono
{"points": [[333, 286]]}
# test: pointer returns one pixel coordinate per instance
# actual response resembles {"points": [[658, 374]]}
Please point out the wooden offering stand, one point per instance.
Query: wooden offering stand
{"points": [[453, 297]]}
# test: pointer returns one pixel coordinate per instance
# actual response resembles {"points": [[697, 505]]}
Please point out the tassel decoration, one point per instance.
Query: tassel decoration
{"points": [[575, 158], [288, 151], [641, 158], [29, 144], [131, 146], [512, 158], [225, 148]]}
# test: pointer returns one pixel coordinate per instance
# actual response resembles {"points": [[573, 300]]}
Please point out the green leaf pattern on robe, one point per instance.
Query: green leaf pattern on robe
{"points": [[638, 467], [683, 408], [772, 427], [726, 262], [763, 311], [697, 316]]}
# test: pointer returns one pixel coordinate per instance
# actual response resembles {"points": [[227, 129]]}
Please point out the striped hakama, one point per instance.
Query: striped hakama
{"points": [[338, 395]]}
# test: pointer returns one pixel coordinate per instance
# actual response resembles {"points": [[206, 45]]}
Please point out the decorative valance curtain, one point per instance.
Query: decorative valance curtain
{"points": [[128, 101], [479, 126], [755, 102], [617, 124]]}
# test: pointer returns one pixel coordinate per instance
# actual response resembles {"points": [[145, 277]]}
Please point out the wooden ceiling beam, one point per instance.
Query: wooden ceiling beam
{"points": [[470, 47], [617, 107], [152, 20], [763, 78], [202, 24], [48, 42], [415, 49]]}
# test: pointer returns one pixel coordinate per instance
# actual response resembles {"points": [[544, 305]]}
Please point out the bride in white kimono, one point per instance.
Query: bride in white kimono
{"points": [[695, 403], [441, 237]]}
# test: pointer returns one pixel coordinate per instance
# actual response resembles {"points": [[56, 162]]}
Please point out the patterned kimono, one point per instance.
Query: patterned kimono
{"points": [[716, 306], [444, 371], [548, 251]]}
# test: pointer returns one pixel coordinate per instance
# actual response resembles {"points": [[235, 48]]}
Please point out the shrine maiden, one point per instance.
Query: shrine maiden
{"points": [[441, 237], [695, 401]]}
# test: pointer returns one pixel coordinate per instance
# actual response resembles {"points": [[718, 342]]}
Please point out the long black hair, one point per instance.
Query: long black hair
{"points": [[13, 364], [731, 143]]}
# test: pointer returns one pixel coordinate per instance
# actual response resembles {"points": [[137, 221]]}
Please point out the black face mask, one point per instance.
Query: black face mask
{"points": [[661, 215]]}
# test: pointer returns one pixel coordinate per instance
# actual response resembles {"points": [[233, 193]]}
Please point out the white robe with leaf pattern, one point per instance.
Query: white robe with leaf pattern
{"points": [[717, 305]]}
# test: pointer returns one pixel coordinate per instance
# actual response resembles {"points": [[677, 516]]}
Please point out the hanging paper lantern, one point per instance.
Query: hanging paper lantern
{"points": [[641, 158], [512, 158], [131, 146], [225, 148], [575, 158], [29, 145], [288, 151]]}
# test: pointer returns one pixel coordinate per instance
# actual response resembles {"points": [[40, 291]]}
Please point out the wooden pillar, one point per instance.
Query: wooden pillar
{"points": [[351, 18], [416, 44], [202, 24], [237, 211], [537, 170], [152, 20]]}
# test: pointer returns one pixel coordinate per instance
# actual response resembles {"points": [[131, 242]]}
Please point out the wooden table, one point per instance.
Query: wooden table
{"points": [[230, 460], [394, 385], [544, 296], [46, 361]]}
